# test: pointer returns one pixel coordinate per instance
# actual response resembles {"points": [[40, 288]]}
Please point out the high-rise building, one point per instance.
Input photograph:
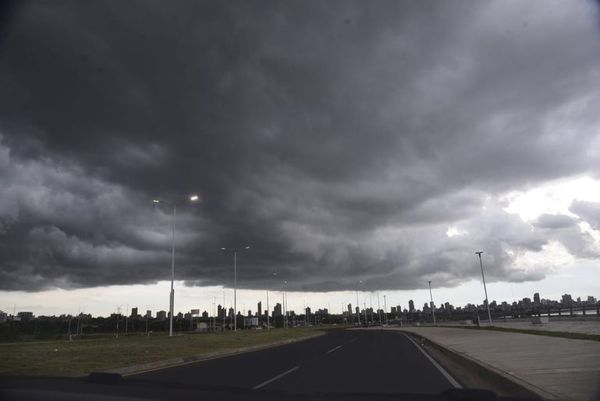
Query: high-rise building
{"points": [[25, 316], [220, 312], [230, 313], [161, 315], [148, 313], [277, 310], [536, 298], [349, 309], [259, 308], [134, 312], [566, 299], [411, 306]]}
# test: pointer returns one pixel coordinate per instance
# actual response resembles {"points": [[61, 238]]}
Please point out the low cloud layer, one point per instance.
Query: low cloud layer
{"points": [[340, 140]]}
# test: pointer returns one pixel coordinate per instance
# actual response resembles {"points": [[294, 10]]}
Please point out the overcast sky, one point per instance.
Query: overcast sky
{"points": [[381, 142]]}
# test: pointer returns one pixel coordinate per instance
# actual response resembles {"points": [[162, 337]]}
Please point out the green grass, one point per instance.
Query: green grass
{"points": [[78, 357], [563, 334]]}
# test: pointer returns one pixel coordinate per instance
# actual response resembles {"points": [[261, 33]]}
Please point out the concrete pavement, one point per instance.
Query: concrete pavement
{"points": [[583, 326], [557, 368]]}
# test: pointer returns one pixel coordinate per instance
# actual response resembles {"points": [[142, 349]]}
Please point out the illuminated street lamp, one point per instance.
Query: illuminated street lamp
{"points": [[487, 303], [157, 202], [234, 282]]}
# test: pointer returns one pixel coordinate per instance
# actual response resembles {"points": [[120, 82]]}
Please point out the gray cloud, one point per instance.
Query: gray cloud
{"points": [[587, 211], [339, 139], [554, 221]]}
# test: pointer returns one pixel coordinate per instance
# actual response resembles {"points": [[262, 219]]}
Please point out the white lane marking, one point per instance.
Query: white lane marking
{"points": [[437, 365], [351, 341], [334, 349], [275, 378]]}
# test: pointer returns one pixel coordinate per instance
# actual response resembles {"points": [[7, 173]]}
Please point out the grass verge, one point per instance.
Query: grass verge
{"points": [[548, 333], [73, 358]]}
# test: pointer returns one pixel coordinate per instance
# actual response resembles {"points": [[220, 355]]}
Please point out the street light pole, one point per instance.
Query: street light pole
{"points": [[385, 309], [357, 312], [234, 290], [192, 198], [172, 296], [268, 311], [487, 303], [431, 305], [235, 284]]}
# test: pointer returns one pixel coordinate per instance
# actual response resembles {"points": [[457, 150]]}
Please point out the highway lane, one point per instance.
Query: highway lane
{"points": [[342, 361]]}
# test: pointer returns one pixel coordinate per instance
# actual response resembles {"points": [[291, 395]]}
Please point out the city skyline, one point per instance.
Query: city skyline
{"points": [[533, 303], [299, 301]]}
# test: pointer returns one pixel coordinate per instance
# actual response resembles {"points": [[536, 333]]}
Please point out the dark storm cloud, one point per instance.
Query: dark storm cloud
{"points": [[340, 140]]}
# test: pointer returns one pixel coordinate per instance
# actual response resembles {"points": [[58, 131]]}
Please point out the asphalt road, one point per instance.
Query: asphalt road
{"points": [[342, 361]]}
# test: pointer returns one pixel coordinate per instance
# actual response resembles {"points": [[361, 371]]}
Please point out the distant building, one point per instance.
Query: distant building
{"points": [[536, 298], [259, 309], [230, 313], [3, 317], [277, 310], [591, 300], [161, 315], [204, 315], [566, 299], [411, 306], [349, 309], [25, 316], [149, 314], [134, 312], [250, 322]]}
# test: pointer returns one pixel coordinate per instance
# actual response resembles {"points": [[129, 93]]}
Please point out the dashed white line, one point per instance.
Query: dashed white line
{"points": [[334, 349], [437, 365], [287, 372]]}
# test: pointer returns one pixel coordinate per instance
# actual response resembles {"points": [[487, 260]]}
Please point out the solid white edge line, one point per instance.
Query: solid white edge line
{"points": [[437, 365], [334, 349], [275, 378]]}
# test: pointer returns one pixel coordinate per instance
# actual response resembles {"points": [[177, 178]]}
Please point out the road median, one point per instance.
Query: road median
{"points": [[83, 356]]}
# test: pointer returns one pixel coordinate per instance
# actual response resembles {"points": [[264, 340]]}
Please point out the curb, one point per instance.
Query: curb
{"points": [[185, 360], [499, 376]]}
